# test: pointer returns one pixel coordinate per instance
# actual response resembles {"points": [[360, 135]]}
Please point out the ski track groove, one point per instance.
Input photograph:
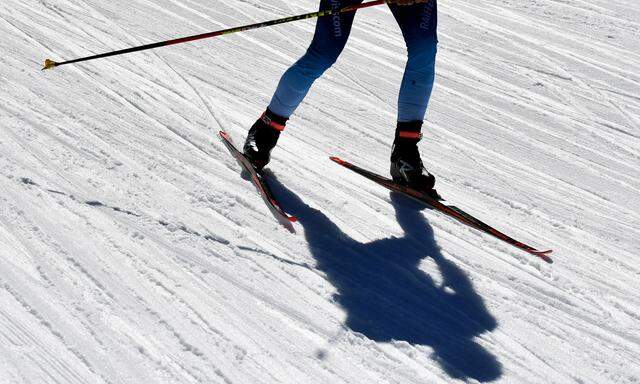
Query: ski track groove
{"points": [[198, 284]]}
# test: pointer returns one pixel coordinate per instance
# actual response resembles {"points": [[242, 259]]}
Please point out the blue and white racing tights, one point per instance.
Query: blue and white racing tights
{"points": [[418, 24]]}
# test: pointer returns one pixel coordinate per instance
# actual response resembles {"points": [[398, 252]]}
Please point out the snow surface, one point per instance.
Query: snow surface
{"points": [[133, 252]]}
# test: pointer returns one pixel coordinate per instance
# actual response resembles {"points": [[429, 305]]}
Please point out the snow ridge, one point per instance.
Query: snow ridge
{"points": [[132, 251]]}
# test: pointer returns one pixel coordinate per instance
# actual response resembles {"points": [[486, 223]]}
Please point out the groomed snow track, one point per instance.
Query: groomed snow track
{"points": [[132, 252]]}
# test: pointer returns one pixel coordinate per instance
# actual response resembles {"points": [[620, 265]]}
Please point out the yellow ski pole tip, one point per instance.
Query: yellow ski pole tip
{"points": [[49, 64]]}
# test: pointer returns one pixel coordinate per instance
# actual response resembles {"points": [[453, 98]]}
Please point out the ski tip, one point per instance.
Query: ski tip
{"points": [[338, 160], [225, 136], [293, 219]]}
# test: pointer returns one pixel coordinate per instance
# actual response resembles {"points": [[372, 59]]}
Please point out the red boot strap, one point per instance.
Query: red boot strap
{"points": [[410, 135], [267, 120]]}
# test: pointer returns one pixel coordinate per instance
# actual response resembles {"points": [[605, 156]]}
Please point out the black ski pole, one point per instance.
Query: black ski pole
{"points": [[50, 64]]}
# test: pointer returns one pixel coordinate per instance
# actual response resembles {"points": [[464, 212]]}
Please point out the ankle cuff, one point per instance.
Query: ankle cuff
{"points": [[409, 130], [274, 121], [409, 135]]}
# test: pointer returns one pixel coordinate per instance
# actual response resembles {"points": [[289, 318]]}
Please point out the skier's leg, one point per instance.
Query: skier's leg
{"points": [[419, 28], [418, 24], [328, 42]]}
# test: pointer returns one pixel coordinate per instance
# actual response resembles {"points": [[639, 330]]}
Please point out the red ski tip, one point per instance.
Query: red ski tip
{"points": [[293, 219], [338, 160]]}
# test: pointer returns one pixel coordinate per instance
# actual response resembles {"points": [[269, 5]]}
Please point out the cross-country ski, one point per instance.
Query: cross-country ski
{"points": [[258, 180], [449, 210]]}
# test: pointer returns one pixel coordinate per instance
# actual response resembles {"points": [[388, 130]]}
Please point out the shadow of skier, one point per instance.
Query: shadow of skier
{"points": [[387, 297]]}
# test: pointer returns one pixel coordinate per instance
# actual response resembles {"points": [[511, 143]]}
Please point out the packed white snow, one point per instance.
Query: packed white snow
{"points": [[131, 250]]}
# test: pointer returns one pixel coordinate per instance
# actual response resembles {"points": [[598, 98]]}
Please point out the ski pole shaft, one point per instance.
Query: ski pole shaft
{"points": [[50, 64]]}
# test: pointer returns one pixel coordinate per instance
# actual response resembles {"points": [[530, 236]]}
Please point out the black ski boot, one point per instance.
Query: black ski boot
{"points": [[406, 165], [262, 137]]}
